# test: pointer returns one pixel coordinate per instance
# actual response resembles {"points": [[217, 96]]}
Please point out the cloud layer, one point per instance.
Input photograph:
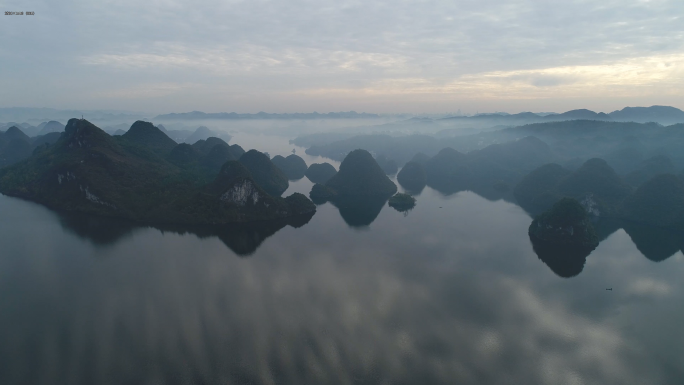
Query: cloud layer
{"points": [[336, 55]]}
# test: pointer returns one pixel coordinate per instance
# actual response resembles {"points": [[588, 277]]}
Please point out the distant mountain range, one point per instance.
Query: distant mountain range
{"points": [[665, 115], [659, 114], [41, 129], [264, 115], [24, 114]]}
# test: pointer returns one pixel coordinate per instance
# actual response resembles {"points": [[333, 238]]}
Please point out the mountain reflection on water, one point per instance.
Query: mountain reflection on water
{"points": [[243, 239], [359, 212], [565, 262], [453, 293], [656, 244]]}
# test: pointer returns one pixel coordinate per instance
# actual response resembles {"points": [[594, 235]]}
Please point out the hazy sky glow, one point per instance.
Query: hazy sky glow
{"points": [[324, 55]]}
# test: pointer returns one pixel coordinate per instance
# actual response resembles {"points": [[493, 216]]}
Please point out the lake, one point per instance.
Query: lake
{"points": [[451, 292]]}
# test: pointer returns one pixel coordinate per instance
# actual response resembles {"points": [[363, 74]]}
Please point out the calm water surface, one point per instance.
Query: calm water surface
{"points": [[450, 293]]}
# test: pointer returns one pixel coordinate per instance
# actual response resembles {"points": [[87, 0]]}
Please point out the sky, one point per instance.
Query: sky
{"points": [[395, 56]]}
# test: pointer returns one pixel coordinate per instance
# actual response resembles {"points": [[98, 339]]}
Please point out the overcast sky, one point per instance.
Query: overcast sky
{"points": [[338, 55]]}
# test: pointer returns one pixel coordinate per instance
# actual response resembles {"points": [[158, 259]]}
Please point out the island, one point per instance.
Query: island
{"points": [[563, 237], [359, 190], [361, 176], [402, 202]]}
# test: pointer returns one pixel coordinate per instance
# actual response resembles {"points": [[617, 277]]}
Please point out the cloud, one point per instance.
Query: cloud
{"points": [[631, 77], [248, 59], [307, 313], [489, 49], [144, 91], [646, 287]]}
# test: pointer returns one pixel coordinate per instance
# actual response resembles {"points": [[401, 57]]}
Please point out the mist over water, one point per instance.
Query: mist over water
{"points": [[452, 292]]}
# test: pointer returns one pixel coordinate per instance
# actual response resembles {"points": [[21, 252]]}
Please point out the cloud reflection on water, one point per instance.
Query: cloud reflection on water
{"points": [[461, 301]]}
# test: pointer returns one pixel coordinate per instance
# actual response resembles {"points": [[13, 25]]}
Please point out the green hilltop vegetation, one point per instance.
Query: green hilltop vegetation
{"points": [[204, 146], [361, 176], [659, 202], [598, 181], [655, 165], [264, 172], [624, 145], [234, 196], [146, 177], [489, 171], [536, 191], [618, 170], [652, 215], [183, 154], [292, 166], [412, 176], [420, 158], [16, 146], [402, 202], [447, 171], [214, 152], [321, 193], [145, 134], [566, 223], [595, 184], [15, 133], [527, 170], [502, 157], [320, 172], [609, 167], [203, 158], [581, 135]]}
